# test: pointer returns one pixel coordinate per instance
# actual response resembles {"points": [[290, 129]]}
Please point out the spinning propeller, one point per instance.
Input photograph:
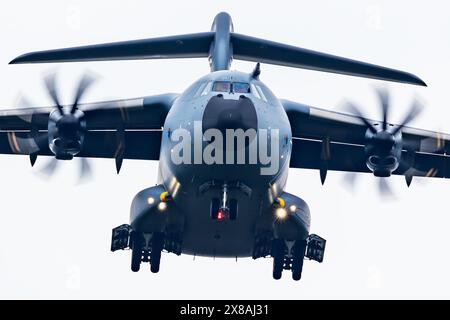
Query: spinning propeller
{"points": [[384, 143], [66, 128]]}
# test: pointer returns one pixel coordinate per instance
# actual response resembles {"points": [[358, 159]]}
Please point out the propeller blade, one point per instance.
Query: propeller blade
{"points": [[50, 83], [85, 169], [84, 84], [383, 95], [415, 110], [34, 135], [434, 144], [352, 108], [27, 145], [350, 180], [23, 103], [385, 189], [50, 167]]}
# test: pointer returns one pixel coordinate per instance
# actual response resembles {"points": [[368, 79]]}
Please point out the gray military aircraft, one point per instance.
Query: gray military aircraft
{"points": [[224, 146]]}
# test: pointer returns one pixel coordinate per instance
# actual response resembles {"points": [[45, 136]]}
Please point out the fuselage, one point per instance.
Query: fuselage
{"points": [[201, 107], [220, 101]]}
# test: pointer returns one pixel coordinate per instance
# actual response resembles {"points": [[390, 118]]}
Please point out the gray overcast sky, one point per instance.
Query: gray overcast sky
{"points": [[55, 235]]}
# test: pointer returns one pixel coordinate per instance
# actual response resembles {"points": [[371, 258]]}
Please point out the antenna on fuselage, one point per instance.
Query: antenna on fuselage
{"points": [[256, 72]]}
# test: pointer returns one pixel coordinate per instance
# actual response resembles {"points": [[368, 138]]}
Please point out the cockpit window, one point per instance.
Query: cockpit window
{"points": [[255, 92], [241, 87], [261, 93], [222, 86], [258, 92], [200, 89], [207, 89], [235, 87]]}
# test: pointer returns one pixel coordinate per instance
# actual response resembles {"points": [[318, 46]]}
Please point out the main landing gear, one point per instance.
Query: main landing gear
{"points": [[145, 247], [289, 255], [146, 250]]}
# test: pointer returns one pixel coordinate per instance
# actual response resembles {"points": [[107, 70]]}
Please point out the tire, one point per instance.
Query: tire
{"points": [[136, 251], [278, 258], [155, 254], [297, 261], [155, 260]]}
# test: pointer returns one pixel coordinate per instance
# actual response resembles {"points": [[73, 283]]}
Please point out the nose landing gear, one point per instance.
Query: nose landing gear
{"points": [[224, 209]]}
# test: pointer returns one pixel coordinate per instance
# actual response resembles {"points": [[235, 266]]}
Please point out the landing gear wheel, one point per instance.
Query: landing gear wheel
{"points": [[298, 252], [155, 255], [278, 258], [137, 242]]}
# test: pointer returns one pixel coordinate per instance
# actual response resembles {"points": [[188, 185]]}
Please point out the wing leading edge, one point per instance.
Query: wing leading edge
{"points": [[23, 131], [426, 152]]}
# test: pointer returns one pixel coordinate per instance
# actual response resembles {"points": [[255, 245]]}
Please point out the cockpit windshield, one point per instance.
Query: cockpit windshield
{"points": [[235, 87], [222, 86], [241, 87]]}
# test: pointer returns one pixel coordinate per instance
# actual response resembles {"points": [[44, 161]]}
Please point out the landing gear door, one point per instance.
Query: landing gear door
{"points": [[315, 248], [120, 237]]}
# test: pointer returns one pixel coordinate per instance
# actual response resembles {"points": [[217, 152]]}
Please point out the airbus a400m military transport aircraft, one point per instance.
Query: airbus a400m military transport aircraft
{"points": [[224, 146]]}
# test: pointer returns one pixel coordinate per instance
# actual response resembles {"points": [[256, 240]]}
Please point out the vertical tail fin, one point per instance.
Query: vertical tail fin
{"points": [[220, 54]]}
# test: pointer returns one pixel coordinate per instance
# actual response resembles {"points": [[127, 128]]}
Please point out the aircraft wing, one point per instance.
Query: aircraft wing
{"points": [[323, 138], [140, 120]]}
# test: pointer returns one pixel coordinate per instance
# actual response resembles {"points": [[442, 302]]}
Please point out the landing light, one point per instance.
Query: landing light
{"points": [[292, 208], [150, 200], [162, 206], [281, 213]]}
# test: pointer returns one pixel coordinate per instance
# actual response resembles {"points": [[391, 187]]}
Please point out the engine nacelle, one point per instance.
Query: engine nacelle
{"points": [[383, 152], [66, 133], [383, 145]]}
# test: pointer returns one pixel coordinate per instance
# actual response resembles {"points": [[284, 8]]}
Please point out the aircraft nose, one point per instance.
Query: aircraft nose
{"points": [[225, 114]]}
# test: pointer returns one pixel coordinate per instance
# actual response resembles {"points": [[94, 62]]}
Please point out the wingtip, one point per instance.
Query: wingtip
{"points": [[420, 82], [413, 79], [19, 59], [34, 57]]}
